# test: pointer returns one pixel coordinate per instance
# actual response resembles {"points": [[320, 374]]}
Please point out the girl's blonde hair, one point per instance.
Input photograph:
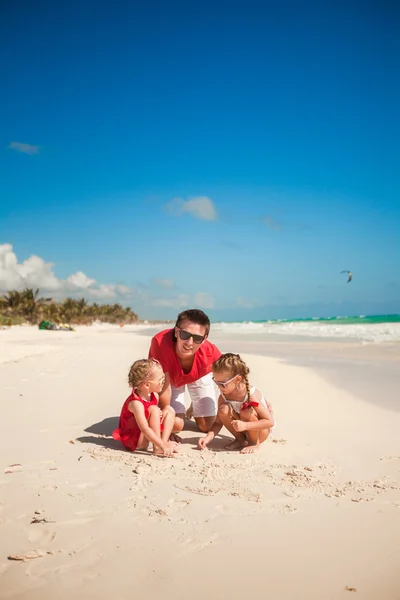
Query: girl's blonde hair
{"points": [[235, 365], [141, 371]]}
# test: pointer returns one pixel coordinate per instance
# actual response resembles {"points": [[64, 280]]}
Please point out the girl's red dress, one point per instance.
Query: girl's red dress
{"points": [[129, 431]]}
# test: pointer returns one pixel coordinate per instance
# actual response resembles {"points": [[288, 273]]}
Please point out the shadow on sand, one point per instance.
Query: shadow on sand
{"points": [[108, 442], [217, 445], [107, 426], [104, 427], [104, 430]]}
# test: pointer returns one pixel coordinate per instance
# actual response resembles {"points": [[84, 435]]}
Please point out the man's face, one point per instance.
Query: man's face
{"points": [[188, 347]]}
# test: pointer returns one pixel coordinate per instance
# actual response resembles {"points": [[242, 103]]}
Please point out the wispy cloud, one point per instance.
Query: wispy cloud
{"points": [[24, 148], [272, 223], [103, 291], [34, 272], [167, 284], [179, 301], [202, 208], [232, 245], [249, 303], [204, 300], [244, 303], [123, 289]]}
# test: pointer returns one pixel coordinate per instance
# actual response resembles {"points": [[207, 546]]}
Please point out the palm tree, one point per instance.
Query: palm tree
{"points": [[12, 301], [32, 306], [81, 306], [131, 317], [51, 312], [27, 305], [68, 309]]}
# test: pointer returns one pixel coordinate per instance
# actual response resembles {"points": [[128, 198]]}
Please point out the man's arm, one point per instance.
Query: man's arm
{"points": [[165, 395]]}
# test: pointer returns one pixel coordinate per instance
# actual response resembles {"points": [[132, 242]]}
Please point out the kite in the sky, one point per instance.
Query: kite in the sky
{"points": [[349, 274]]}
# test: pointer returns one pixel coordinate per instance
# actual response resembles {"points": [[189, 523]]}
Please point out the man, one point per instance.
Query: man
{"points": [[186, 357]]}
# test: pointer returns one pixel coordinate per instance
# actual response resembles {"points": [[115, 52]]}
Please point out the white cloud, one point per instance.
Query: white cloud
{"points": [[34, 272], [164, 283], [179, 301], [202, 208], [80, 280], [24, 148], [103, 291], [124, 290], [204, 300]]}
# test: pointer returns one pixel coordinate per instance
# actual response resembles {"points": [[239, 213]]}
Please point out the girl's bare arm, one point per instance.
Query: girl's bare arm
{"points": [[265, 420], [215, 429]]}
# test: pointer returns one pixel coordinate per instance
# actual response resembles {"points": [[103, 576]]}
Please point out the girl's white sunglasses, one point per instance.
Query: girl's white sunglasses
{"points": [[223, 384]]}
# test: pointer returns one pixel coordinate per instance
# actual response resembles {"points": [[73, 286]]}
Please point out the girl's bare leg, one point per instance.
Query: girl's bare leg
{"points": [[179, 421], [254, 438], [143, 443], [168, 423], [155, 424], [226, 417]]}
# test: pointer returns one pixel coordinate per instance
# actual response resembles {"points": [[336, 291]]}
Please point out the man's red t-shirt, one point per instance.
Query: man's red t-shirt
{"points": [[163, 349]]}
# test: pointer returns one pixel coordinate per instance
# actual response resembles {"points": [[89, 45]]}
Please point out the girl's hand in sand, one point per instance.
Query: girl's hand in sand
{"points": [[202, 443], [170, 450], [168, 453], [239, 426]]}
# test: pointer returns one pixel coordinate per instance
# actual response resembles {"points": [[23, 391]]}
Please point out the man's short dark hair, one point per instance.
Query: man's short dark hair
{"points": [[196, 316]]}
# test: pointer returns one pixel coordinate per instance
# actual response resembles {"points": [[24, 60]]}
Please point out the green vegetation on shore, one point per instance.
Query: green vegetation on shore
{"points": [[27, 307]]}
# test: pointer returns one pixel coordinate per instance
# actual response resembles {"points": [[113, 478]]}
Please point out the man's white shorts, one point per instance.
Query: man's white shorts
{"points": [[202, 394]]}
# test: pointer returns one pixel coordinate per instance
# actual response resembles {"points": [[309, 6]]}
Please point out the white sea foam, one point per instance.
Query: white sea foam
{"points": [[374, 332]]}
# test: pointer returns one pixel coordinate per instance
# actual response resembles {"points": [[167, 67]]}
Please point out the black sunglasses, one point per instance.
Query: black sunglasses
{"points": [[185, 335]]}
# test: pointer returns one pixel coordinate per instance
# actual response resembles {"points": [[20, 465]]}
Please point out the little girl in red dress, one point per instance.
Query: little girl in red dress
{"points": [[141, 420]]}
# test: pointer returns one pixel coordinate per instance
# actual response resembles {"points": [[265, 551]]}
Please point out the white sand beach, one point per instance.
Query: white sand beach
{"points": [[314, 515]]}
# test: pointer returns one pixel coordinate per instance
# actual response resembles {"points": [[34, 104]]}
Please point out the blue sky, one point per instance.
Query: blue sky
{"points": [[234, 156]]}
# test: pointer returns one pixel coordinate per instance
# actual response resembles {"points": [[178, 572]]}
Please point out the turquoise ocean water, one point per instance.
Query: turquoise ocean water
{"points": [[367, 328], [363, 328], [361, 319]]}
